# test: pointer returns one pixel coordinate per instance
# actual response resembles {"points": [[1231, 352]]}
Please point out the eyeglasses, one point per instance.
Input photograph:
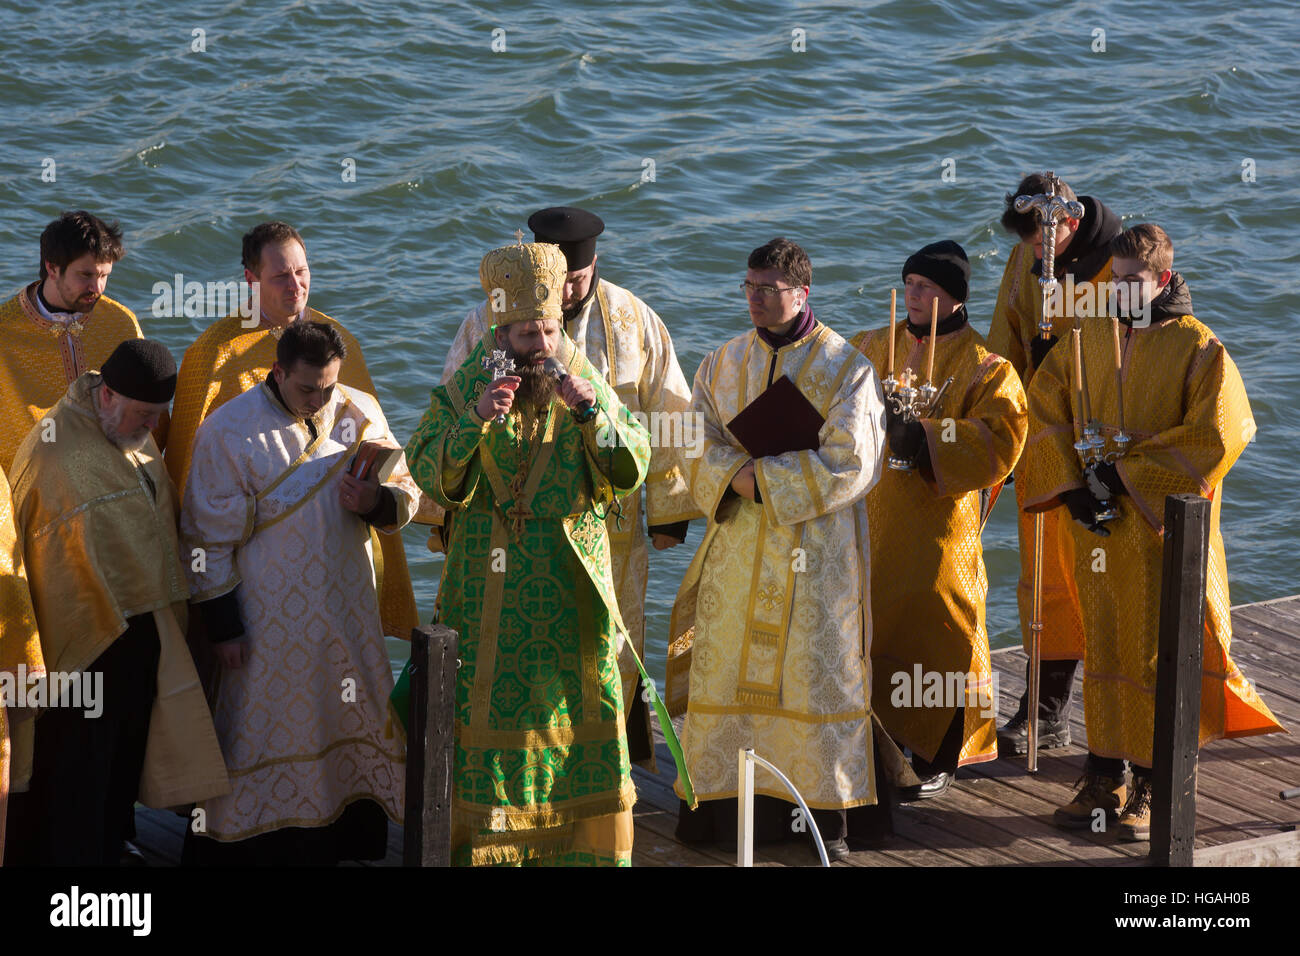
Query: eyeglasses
{"points": [[764, 291]]}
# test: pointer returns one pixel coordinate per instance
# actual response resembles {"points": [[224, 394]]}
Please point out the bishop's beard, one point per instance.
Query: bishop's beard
{"points": [[537, 387]]}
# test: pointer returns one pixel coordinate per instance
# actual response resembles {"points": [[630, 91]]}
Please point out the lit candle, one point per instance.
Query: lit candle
{"points": [[1119, 373], [934, 324], [893, 307]]}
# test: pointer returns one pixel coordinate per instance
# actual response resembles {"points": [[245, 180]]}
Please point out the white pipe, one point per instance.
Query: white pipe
{"points": [[745, 816]]}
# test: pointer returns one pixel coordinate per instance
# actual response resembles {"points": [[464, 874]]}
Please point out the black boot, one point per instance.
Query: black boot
{"points": [[1056, 683]]}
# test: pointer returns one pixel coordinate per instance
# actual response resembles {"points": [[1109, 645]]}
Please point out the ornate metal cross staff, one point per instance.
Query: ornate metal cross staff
{"points": [[1050, 210], [498, 364]]}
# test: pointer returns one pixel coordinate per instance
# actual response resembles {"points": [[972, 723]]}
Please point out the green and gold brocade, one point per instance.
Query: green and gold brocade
{"points": [[541, 751]]}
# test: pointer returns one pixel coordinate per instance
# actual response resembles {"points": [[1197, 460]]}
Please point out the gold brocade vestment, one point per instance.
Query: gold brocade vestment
{"points": [[39, 358], [98, 527], [1185, 407], [230, 358], [771, 629], [1015, 324], [629, 345], [20, 644], [929, 584]]}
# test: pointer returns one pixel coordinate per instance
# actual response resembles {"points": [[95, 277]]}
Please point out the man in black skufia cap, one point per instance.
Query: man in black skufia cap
{"points": [[630, 345], [928, 578], [108, 588]]}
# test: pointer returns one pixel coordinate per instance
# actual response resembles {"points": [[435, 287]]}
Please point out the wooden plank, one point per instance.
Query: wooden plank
{"points": [[1037, 799], [431, 746], [1281, 849]]}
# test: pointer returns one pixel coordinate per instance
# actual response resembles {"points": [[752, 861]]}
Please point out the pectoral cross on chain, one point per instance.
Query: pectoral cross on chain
{"points": [[519, 512], [498, 364]]}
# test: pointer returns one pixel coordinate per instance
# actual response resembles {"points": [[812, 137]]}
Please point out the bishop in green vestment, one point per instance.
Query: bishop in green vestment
{"points": [[541, 762]]}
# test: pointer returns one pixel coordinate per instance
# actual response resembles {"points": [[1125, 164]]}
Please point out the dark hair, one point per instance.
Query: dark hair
{"points": [[316, 343], [261, 235], [1025, 224], [1147, 243], [74, 234], [785, 255]]}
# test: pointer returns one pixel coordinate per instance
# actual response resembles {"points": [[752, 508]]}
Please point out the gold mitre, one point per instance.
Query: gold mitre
{"points": [[524, 282]]}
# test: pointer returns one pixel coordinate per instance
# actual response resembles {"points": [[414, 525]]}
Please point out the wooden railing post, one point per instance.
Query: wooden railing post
{"points": [[1178, 680], [430, 746]]}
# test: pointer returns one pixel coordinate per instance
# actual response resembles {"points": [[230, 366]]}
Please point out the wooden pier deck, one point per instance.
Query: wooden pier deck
{"points": [[998, 815]]}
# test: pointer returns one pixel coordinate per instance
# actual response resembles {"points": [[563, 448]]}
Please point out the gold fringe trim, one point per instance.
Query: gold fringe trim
{"points": [[487, 849], [757, 698], [502, 821]]}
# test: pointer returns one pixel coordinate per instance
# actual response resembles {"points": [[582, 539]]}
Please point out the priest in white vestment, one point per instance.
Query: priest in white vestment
{"points": [[276, 528]]}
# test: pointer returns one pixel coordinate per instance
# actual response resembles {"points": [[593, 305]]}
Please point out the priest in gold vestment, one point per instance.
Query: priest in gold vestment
{"points": [[96, 514], [20, 644], [774, 609], [929, 583], [1083, 267], [286, 589], [628, 343], [235, 354], [61, 325], [1186, 409]]}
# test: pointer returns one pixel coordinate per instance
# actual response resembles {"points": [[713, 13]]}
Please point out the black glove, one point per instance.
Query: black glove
{"points": [[1083, 509], [1039, 347], [906, 439], [1104, 481]]}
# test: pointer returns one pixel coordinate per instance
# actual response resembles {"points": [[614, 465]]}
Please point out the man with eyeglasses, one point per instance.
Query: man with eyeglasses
{"points": [[628, 344], [771, 629]]}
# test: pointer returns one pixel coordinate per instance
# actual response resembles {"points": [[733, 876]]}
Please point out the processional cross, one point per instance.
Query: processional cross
{"points": [[1050, 209]]}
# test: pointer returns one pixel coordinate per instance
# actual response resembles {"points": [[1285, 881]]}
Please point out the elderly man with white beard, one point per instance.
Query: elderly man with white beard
{"points": [[96, 517]]}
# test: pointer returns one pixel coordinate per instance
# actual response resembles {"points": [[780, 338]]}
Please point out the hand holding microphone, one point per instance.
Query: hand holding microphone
{"points": [[577, 393]]}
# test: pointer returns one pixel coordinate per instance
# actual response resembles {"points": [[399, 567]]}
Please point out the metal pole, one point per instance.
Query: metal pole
{"points": [[1050, 209], [745, 816]]}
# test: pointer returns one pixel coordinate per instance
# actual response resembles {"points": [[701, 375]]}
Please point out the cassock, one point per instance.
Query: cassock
{"points": [[1185, 407], [303, 723], [227, 360], [98, 527], [628, 344], [771, 630], [929, 585], [43, 353], [20, 644], [541, 762], [1019, 308]]}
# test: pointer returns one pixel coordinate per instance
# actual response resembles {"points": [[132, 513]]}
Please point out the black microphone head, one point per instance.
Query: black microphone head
{"points": [[555, 368]]}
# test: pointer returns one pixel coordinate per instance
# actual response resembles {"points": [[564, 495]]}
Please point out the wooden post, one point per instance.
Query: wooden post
{"points": [[430, 746], [1178, 680]]}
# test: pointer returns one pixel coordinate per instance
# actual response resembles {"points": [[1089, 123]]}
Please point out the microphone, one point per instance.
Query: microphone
{"points": [[553, 367]]}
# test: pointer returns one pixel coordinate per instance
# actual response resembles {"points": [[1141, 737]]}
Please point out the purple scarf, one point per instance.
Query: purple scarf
{"points": [[802, 326]]}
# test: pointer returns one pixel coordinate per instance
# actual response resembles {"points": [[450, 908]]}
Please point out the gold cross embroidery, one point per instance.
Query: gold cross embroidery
{"points": [[771, 597]]}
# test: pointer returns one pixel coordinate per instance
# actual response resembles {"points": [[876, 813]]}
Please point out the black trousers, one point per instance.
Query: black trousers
{"points": [[1055, 685], [86, 770], [945, 758], [714, 821], [360, 833]]}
